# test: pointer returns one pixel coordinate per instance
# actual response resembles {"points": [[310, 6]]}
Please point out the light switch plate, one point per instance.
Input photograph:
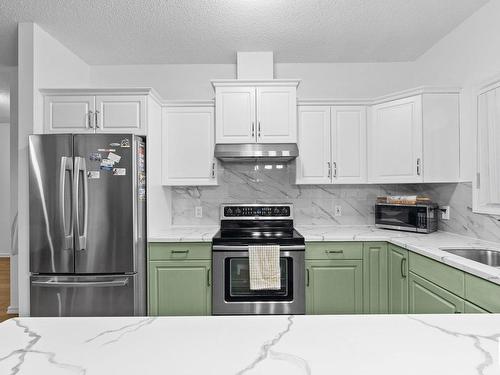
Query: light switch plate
{"points": [[198, 211], [445, 212]]}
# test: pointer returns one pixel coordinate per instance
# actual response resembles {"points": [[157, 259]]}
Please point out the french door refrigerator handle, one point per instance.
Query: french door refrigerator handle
{"points": [[80, 284], [80, 169], [66, 165]]}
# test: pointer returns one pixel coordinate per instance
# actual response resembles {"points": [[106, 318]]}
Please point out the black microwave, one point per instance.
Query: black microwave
{"points": [[420, 218]]}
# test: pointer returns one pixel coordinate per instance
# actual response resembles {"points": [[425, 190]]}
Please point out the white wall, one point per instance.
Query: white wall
{"points": [[5, 189], [192, 81], [43, 63], [466, 57]]}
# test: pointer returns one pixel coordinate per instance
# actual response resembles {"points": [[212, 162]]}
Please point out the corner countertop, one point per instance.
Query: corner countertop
{"points": [[430, 245], [322, 344]]}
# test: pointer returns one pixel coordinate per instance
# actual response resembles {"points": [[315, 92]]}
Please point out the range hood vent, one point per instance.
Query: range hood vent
{"points": [[257, 152]]}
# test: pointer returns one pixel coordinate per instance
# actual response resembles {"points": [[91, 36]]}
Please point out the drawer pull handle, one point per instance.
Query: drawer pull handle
{"points": [[208, 277], [334, 251], [307, 276], [403, 268], [180, 252]]}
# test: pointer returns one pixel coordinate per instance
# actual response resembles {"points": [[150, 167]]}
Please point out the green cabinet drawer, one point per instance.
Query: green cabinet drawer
{"points": [[482, 293], [180, 250], [375, 285], [334, 250], [445, 276], [179, 288], [334, 287], [428, 298]]}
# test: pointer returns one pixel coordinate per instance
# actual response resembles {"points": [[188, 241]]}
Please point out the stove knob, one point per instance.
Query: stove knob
{"points": [[238, 212], [284, 211], [276, 211], [229, 212]]}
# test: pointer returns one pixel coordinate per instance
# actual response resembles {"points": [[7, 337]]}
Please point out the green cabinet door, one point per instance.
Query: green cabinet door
{"points": [[428, 298], [470, 308], [375, 288], [334, 286], [179, 287], [397, 274]]}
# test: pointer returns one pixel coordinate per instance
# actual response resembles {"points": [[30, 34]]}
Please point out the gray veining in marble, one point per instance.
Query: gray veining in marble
{"points": [[123, 331], [314, 204], [488, 356]]}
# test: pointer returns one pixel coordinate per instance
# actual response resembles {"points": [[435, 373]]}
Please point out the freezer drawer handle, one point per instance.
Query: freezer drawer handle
{"points": [[80, 284], [66, 165], [81, 170]]}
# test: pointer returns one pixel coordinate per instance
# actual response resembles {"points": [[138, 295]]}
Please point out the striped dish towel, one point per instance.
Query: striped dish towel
{"points": [[264, 266]]}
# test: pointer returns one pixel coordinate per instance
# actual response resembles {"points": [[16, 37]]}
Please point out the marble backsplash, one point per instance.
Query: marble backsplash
{"points": [[315, 204]]}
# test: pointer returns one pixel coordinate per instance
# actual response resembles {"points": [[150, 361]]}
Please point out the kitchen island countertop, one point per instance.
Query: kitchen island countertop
{"points": [[342, 344]]}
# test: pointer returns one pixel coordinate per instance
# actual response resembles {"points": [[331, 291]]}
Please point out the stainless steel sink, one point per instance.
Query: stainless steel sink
{"points": [[485, 256]]}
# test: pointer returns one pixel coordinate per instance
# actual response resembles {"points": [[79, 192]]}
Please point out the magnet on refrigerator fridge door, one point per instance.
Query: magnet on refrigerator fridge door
{"points": [[119, 171], [92, 175], [125, 142], [106, 150], [115, 144], [114, 158], [95, 156]]}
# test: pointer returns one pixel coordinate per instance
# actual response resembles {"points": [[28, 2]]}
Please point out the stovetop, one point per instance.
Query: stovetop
{"points": [[266, 224]]}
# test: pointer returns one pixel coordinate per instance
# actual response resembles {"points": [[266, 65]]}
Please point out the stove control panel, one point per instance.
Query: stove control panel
{"points": [[257, 211]]}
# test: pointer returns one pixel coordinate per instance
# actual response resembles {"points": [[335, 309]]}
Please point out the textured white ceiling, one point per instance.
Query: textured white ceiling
{"points": [[203, 31]]}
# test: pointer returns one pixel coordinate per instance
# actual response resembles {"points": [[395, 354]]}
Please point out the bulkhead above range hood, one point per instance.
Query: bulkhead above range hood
{"points": [[257, 152]]}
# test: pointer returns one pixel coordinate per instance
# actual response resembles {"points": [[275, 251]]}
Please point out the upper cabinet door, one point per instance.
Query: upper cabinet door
{"points": [[69, 113], [235, 115], [395, 142], [276, 115], [313, 163], [348, 136], [188, 146], [121, 113]]}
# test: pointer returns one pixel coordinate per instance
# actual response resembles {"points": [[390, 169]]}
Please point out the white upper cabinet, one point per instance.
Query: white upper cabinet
{"points": [[255, 111], [235, 115], [395, 141], [486, 198], [276, 115], [313, 163], [120, 113], [67, 114], [96, 110], [332, 145], [348, 135], [188, 146]]}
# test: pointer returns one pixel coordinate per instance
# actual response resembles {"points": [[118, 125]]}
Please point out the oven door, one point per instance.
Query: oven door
{"points": [[231, 293]]}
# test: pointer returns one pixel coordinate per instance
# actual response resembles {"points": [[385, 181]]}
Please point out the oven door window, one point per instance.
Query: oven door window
{"points": [[237, 282], [396, 216]]}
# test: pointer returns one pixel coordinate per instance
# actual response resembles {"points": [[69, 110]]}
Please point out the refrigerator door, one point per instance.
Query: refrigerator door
{"points": [[50, 219], [105, 209], [101, 295]]}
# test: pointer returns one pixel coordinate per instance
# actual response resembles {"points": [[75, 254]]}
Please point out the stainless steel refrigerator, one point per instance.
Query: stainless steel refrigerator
{"points": [[87, 225]]}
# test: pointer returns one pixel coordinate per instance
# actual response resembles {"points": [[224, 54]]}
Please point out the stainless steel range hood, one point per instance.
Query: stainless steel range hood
{"points": [[257, 152]]}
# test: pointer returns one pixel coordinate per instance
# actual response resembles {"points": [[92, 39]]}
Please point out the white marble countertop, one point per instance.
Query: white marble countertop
{"points": [[341, 344], [429, 245]]}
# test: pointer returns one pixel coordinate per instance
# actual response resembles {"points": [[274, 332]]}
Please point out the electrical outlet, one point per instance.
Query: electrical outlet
{"points": [[198, 211], [445, 213], [338, 210]]}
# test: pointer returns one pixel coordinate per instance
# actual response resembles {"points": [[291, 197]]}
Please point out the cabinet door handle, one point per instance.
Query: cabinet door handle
{"points": [[307, 276], [90, 119], [259, 130], [96, 114], [209, 279], [334, 251], [180, 252], [418, 167], [213, 170], [403, 267], [334, 169], [329, 169], [253, 129]]}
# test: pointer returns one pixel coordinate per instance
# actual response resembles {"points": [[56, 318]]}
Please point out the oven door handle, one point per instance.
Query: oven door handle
{"points": [[245, 247]]}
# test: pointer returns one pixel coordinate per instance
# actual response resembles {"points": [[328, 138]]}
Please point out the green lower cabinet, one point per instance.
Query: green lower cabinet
{"points": [[179, 287], [482, 293], [470, 308], [375, 286], [428, 298], [397, 275], [334, 286]]}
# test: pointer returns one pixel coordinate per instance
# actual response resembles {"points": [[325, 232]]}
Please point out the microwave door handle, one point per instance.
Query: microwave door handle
{"points": [[66, 166]]}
